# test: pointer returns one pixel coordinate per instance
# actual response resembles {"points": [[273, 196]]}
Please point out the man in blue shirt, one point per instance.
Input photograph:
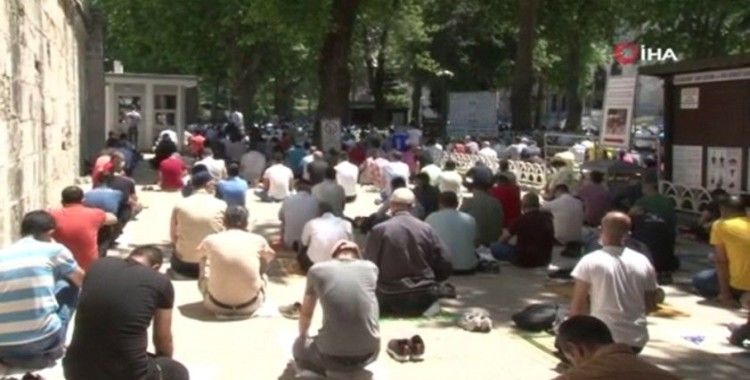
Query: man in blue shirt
{"points": [[294, 158], [40, 281], [233, 189], [104, 197]]}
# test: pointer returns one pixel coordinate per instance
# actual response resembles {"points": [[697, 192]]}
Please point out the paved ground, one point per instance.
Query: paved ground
{"points": [[259, 347]]}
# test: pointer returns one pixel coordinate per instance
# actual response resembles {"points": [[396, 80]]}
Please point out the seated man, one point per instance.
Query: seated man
{"points": [[588, 344], [730, 237], [77, 226], [596, 198], [278, 179], [347, 175], [567, 216], [295, 212], [486, 210], [119, 300], [171, 171], [620, 283], [535, 237], [330, 192], [320, 234], [449, 179], [459, 232], [411, 258], [427, 195], [36, 279], [216, 167], [233, 189], [108, 200], [349, 338], [655, 203], [129, 205], [194, 218], [233, 267], [509, 195]]}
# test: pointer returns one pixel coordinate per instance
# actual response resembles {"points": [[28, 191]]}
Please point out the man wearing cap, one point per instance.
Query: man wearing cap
{"points": [[194, 218], [411, 258]]}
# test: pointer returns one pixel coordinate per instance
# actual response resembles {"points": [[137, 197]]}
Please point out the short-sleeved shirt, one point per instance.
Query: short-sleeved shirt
{"points": [[76, 227], [98, 170], [119, 299], [509, 197], [216, 167], [458, 230], [488, 213], [393, 170], [295, 212], [450, 180], [535, 237], [659, 205], [279, 177], [320, 234], [252, 164], [232, 190], [346, 290], [29, 269], [567, 216], [198, 216], [124, 185], [331, 193], [104, 198], [171, 170], [619, 279], [596, 202], [233, 263], [347, 175], [316, 171], [197, 144], [734, 235]]}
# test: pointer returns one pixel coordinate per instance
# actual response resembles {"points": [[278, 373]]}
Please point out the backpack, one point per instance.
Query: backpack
{"points": [[539, 317]]}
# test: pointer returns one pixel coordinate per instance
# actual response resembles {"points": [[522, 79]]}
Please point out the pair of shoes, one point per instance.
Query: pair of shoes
{"points": [[402, 350], [291, 311]]}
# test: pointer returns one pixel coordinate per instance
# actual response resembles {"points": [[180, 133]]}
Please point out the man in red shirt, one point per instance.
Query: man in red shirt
{"points": [[77, 226], [197, 143], [509, 196], [171, 171]]}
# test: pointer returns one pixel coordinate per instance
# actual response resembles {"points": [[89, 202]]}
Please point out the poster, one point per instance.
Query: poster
{"points": [[687, 167], [724, 169], [689, 98], [618, 111], [616, 131], [330, 134]]}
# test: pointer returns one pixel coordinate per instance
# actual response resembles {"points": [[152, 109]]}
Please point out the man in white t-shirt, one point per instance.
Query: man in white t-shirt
{"points": [[428, 167], [395, 168], [620, 283], [319, 236], [295, 212], [278, 179], [346, 176], [450, 180], [487, 151], [216, 167], [567, 215]]}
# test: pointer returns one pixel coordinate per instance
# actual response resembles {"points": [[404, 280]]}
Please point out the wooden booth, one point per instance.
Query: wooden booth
{"points": [[707, 122]]}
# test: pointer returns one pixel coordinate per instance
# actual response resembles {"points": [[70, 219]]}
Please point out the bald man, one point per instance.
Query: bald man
{"points": [[619, 282]]}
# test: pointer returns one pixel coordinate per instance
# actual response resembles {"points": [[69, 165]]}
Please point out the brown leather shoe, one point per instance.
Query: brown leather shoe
{"points": [[416, 345]]}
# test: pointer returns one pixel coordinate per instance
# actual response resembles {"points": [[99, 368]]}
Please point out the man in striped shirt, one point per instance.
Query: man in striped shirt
{"points": [[39, 282]]}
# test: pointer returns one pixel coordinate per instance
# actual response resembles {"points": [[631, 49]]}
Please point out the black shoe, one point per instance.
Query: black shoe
{"points": [[416, 346], [399, 349], [291, 311]]}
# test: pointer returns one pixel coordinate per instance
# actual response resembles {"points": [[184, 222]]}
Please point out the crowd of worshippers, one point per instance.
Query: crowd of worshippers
{"points": [[426, 229]]}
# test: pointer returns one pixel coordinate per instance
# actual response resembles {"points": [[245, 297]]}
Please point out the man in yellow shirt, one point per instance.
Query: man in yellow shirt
{"points": [[730, 237]]}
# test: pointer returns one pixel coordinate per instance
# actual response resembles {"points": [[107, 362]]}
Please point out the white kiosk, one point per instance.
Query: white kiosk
{"points": [[160, 99]]}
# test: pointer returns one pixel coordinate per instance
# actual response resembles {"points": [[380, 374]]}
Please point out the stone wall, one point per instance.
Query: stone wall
{"points": [[42, 91]]}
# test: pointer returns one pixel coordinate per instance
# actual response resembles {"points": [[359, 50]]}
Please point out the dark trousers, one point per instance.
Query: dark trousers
{"points": [[303, 259], [184, 268], [106, 238], [133, 136], [163, 368], [411, 304], [308, 356]]}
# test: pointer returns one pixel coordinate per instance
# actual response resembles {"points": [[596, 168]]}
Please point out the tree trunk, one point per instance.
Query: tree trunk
{"points": [[215, 101], [416, 99], [333, 64], [520, 98], [376, 77], [572, 88], [246, 74], [283, 98], [539, 103]]}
